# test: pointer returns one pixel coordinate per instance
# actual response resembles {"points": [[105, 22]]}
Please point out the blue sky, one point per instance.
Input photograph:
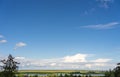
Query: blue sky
{"points": [[86, 30]]}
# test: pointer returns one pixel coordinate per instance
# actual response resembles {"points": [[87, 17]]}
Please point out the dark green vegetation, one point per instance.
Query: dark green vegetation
{"points": [[113, 73]]}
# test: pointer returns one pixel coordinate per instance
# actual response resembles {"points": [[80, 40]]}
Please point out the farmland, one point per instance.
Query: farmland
{"points": [[60, 73]]}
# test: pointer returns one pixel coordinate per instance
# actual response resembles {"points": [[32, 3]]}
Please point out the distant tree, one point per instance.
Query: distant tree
{"points": [[109, 73], [36, 75], [66, 75], [74, 76], [117, 70], [9, 67], [71, 75], [86, 76], [25, 75], [90, 76], [113, 73], [79, 76], [61, 75]]}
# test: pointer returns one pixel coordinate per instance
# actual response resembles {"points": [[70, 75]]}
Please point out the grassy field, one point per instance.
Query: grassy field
{"points": [[58, 71]]}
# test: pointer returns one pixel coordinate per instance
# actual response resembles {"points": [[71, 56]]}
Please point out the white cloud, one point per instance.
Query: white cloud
{"points": [[20, 58], [20, 44], [76, 58], [88, 65], [102, 60], [53, 64], [102, 26], [3, 41], [105, 3], [1, 36]]}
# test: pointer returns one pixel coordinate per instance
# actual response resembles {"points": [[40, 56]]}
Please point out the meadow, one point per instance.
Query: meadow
{"points": [[60, 73]]}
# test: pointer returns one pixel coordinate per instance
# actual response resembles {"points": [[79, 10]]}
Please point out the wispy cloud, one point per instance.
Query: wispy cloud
{"points": [[19, 45], [92, 7], [1, 36], [105, 3], [103, 26], [102, 60], [3, 41], [89, 11], [77, 61]]}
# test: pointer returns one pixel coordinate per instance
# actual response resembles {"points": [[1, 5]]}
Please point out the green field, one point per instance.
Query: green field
{"points": [[54, 73]]}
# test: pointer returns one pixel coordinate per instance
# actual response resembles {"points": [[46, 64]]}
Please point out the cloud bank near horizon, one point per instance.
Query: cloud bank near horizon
{"points": [[77, 61]]}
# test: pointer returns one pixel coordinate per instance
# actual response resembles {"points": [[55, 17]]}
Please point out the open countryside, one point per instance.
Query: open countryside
{"points": [[10, 69], [59, 38]]}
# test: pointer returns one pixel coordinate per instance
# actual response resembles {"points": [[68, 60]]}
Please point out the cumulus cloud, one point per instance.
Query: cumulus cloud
{"points": [[75, 58], [77, 61], [3, 41], [105, 3], [102, 26], [19, 45]]}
